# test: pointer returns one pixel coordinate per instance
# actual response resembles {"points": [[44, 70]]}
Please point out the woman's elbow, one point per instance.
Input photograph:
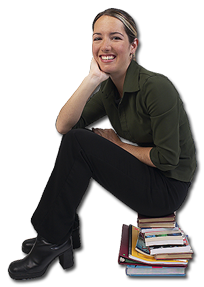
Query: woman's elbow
{"points": [[164, 161]]}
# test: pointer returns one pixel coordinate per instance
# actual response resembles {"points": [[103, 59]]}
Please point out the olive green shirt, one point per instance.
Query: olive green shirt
{"points": [[150, 114]]}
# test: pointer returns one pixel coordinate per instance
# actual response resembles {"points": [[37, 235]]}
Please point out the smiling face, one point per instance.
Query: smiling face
{"points": [[111, 47]]}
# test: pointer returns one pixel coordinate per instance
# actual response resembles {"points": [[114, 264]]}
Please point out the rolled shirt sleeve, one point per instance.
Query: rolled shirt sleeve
{"points": [[163, 105]]}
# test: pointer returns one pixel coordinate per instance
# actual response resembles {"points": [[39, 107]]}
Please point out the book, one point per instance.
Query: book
{"points": [[141, 245], [135, 270], [155, 231], [123, 257], [148, 259], [143, 219], [187, 256], [166, 249], [162, 238], [165, 221], [157, 224], [143, 248]]}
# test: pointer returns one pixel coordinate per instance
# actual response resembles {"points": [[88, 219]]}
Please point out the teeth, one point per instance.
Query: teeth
{"points": [[107, 57]]}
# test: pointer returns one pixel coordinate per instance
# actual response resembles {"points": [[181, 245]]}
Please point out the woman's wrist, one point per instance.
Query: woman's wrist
{"points": [[92, 79], [95, 80]]}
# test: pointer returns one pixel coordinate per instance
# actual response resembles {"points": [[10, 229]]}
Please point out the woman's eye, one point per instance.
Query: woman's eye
{"points": [[97, 39], [116, 38]]}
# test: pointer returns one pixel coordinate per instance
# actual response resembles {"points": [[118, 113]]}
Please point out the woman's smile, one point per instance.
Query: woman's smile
{"points": [[107, 58]]}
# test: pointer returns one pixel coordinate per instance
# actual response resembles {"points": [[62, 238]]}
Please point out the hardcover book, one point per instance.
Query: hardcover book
{"points": [[135, 270]]}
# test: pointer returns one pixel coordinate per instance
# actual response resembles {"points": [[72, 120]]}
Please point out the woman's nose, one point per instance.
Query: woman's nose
{"points": [[105, 45]]}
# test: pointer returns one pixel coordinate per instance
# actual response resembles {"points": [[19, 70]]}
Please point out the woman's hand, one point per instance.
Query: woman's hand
{"points": [[108, 134], [96, 73]]}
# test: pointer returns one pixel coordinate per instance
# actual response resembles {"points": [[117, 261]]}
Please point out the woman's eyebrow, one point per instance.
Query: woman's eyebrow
{"points": [[116, 33], [112, 33]]}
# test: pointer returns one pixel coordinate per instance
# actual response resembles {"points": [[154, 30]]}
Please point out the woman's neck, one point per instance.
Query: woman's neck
{"points": [[119, 79], [119, 83]]}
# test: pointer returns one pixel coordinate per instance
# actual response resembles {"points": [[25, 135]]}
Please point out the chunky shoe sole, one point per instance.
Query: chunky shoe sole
{"points": [[65, 260], [19, 270]]}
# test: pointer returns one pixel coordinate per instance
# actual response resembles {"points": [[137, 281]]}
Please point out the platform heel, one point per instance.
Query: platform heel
{"points": [[66, 260]]}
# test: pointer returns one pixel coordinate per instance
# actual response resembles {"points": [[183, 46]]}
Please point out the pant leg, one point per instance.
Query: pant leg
{"points": [[84, 155]]}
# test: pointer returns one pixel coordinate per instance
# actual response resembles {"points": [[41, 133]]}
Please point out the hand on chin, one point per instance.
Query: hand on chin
{"points": [[103, 69]]}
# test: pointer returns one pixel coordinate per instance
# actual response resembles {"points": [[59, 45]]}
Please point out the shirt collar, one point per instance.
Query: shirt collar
{"points": [[131, 83]]}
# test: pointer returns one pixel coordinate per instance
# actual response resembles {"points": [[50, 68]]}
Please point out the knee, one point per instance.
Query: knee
{"points": [[68, 136], [78, 134]]}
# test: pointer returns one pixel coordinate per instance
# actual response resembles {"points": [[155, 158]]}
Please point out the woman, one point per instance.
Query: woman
{"points": [[143, 107]]}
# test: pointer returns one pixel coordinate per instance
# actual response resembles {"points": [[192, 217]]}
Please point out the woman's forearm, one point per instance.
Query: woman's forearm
{"points": [[72, 110], [141, 153]]}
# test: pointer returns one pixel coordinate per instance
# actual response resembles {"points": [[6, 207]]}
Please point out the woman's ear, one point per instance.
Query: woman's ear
{"points": [[134, 46]]}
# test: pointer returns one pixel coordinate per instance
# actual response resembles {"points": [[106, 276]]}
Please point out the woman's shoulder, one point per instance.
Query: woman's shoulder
{"points": [[156, 90], [152, 78]]}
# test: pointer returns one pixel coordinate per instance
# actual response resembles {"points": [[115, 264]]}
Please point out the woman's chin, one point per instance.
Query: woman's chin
{"points": [[105, 70]]}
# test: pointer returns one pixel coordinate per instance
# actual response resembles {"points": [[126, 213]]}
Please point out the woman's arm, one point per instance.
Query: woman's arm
{"points": [[141, 153], [72, 110]]}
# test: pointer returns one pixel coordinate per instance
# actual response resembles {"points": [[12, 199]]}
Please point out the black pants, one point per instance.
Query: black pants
{"points": [[84, 155]]}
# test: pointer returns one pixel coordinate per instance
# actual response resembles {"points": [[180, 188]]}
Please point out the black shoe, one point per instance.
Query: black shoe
{"points": [[37, 261], [28, 243]]}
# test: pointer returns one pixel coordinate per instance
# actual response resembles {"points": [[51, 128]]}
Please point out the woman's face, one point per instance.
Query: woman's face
{"points": [[111, 47]]}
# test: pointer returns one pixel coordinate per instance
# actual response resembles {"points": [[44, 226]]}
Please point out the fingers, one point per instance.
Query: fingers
{"points": [[98, 131], [103, 132], [96, 71], [94, 65]]}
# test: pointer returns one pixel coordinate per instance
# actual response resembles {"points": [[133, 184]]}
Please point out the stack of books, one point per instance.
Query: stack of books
{"points": [[156, 250], [107, 255]]}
